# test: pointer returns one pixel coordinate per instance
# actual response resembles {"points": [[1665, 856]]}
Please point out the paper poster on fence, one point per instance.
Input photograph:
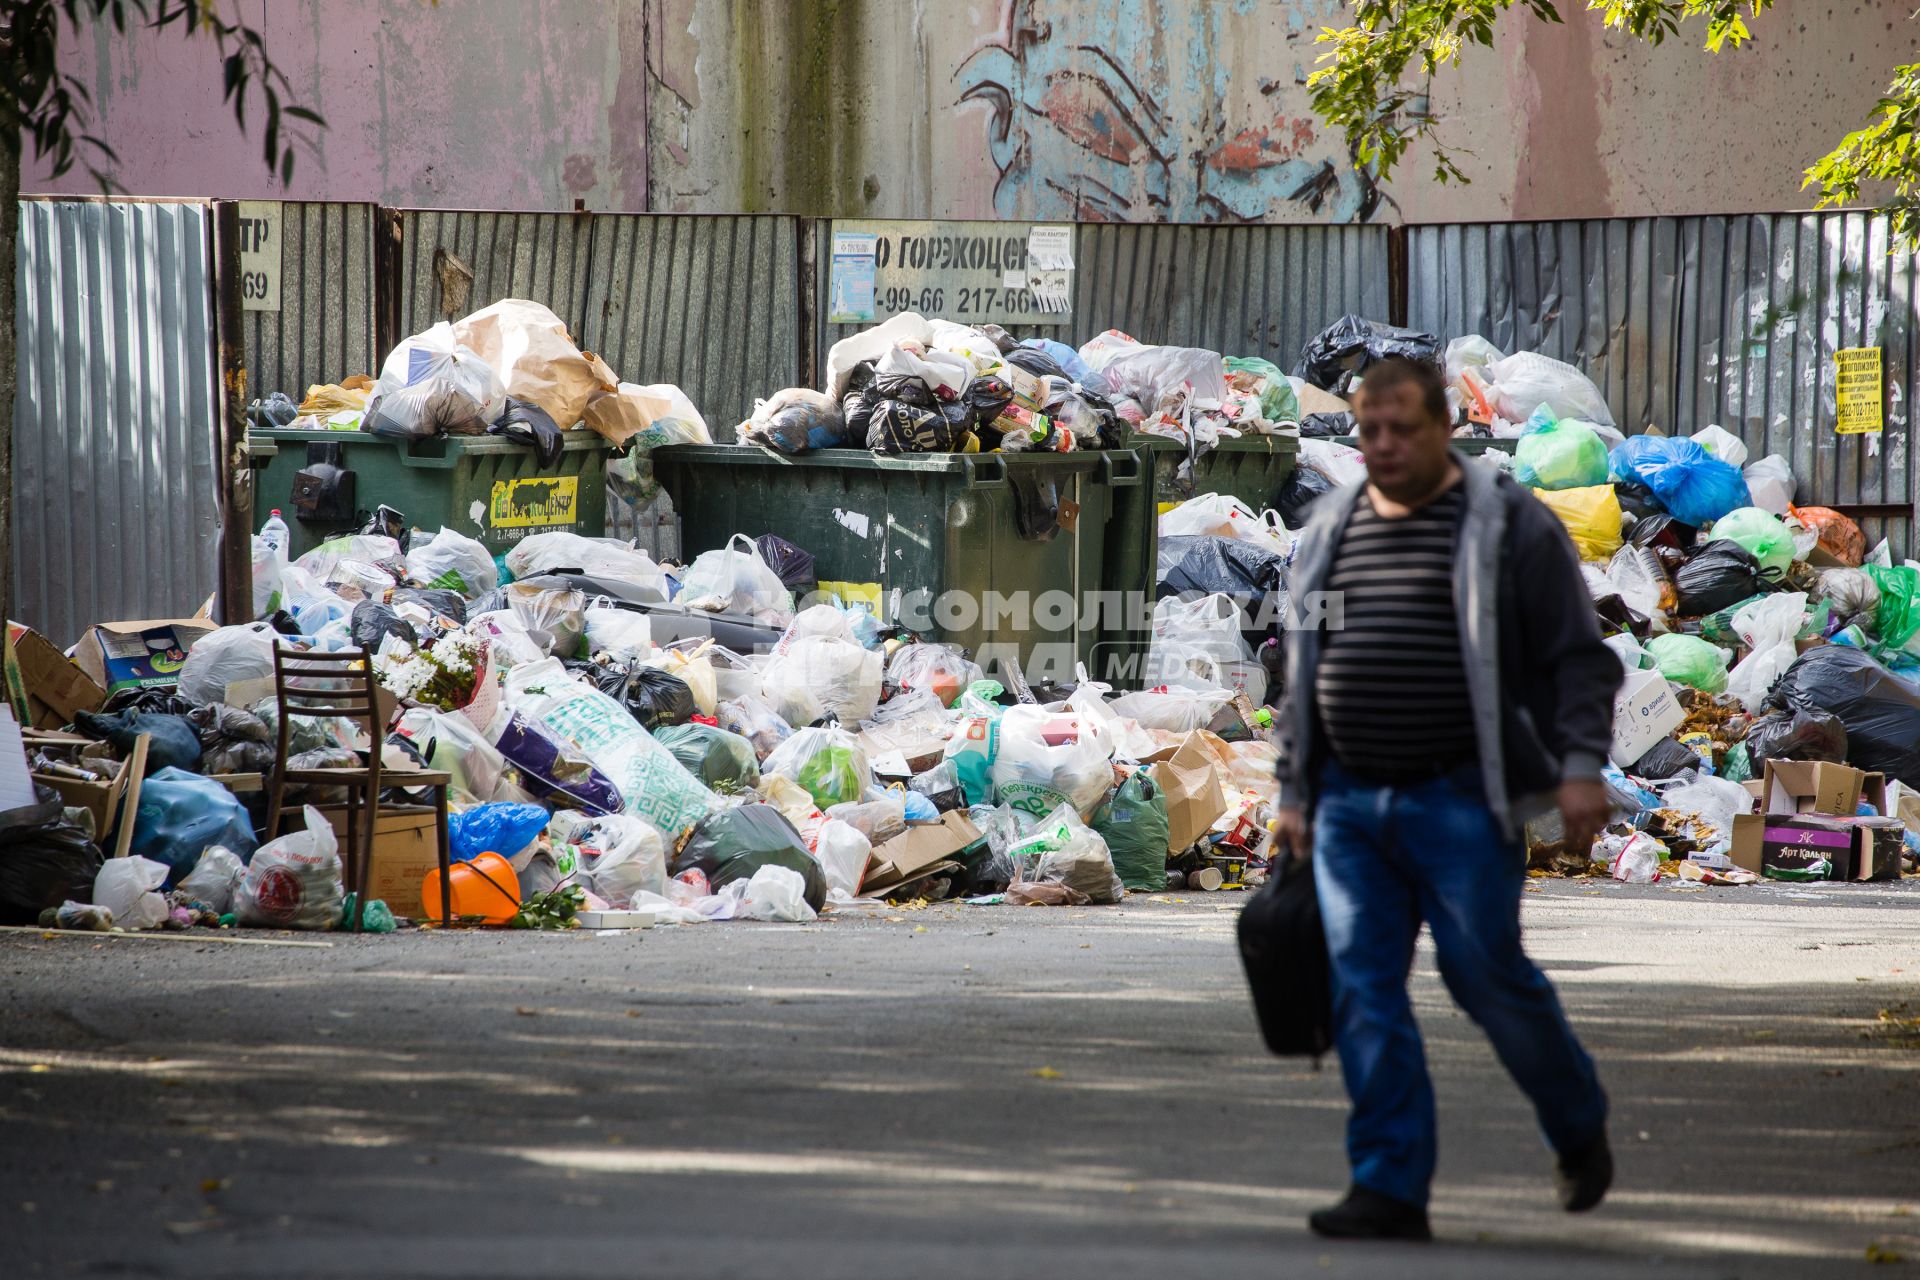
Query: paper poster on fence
{"points": [[1859, 391], [850, 282]]}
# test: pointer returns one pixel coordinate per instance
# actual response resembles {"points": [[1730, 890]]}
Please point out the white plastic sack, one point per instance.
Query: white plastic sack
{"points": [[1157, 376], [511, 643], [1634, 572], [452, 561], [777, 893], [1770, 484], [1090, 699], [871, 344], [214, 878], [1526, 380], [1046, 759], [1197, 644], [294, 882], [1101, 349], [1469, 352], [227, 656], [1768, 626], [125, 886], [1339, 463], [1722, 444], [644, 418], [528, 346], [1633, 655], [268, 569], [555, 620], [826, 760], [1064, 850], [433, 384], [624, 856], [1717, 802], [624, 635], [654, 785], [841, 676], [1222, 515], [936, 667], [594, 557], [1172, 710], [939, 370], [449, 742], [354, 560], [843, 852], [736, 579]]}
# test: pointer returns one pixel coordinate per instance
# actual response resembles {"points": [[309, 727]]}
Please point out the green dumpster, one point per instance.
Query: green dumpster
{"points": [[487, 487], [1047, 558], [1250, 468]]}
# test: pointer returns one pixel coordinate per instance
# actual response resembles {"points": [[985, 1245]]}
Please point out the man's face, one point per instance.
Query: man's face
{"points": [[1405, 447]]}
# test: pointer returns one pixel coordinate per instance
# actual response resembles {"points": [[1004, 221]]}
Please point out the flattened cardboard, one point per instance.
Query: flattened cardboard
{"points": [[44, 687], [910, 854], [134, 655]]}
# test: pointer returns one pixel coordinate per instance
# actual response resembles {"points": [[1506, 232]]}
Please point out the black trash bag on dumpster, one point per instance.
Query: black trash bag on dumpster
{"points": [[898, 427], [385, 522], [654, 697], [795, 566], [1295, 500], [1797, 735], [989, 395], [276, 410], [856, 411], [529, 424], [1664, 759], [233, 740], [960, 417], [1204, 564], [439, 601], [160, 699], [372, 622], [906, 388], [1036, 362], [1881, 711], [734, 843], [1350, 344], [174, 744], [44, 860], [1718, 574], [1324, 426]]}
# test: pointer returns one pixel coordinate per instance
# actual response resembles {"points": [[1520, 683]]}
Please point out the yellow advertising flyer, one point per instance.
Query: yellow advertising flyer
{"points": [[1859, 390]]}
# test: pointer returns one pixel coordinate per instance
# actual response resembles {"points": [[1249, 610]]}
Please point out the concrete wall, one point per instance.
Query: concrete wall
{"points": [[1138, 110]]}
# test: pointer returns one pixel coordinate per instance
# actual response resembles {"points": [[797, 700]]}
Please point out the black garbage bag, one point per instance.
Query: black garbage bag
{"points": [[856, 410], [1637, 500], [529, 424], [450, 605], [989, 395], [654, 697], [795, 566], [372, 621], [1036, 362], [1716, 575], [173, 740], [961, 418], [1203, 564], [906, 388], [1665, 759], [164, 700], [1295, 500], [385, 522], [1350, 344], [999, 337], [861, 376], [1324, 426], [1881, 711], [233, 740], [734, 843], [898, 427], [1797, 735], [721, 760], [1660, 530], [44, 860]]}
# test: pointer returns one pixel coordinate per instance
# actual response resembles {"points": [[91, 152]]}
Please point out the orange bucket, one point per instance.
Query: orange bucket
{"points": [[484, 887]]}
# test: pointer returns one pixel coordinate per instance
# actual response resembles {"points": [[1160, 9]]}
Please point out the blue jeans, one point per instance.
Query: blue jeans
{"points": [[1386, 858]]}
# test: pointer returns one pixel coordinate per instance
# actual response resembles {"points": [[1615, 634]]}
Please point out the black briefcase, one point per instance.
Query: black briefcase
{"points": [[1284, 949]]}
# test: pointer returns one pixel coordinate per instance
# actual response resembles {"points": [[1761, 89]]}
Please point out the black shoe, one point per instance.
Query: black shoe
{"points": [[1368, 1215], [1583, 1177]]}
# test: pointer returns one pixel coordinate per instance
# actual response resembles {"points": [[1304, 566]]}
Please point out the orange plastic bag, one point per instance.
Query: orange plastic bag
{"points": [[1839, 536]]}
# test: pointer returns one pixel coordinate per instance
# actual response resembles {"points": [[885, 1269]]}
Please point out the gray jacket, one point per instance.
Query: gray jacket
{"points": [[1541, 681]]}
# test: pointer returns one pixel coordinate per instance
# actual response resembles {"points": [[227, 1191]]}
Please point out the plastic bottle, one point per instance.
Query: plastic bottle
{"points": [[276, 534]]}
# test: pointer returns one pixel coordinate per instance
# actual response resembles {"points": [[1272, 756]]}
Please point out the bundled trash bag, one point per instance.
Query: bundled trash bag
{"points": [[432, 385], [1636, 500], [562, 551], [227, 656], [1134, 825], [451, 561], [1718, 574], [1836, 534], [644, 418], [1350, 344], [655, 698], [1560, 454], [1295, 500], [527, 423], [794, 567], [551, 768], [1896, 618], [736, 579], [1326, 426], [1065, 359], [231, 740], [1797, 735], [620, 856], [373, 622], [754, 720], [1760, 533], [937, 667], [1591, 516], [1045, 759], [1207, 565], [505, 829], [843, 852], [1695, 487], [735, 843], [175, 744], [528, 346], [127, 889], [988, 395], [214, 878], [1665, 759], [1852, 592], [275, 410], [1881, 712], [1524, 381], [182, 813], [44, 859], [1770, 483], [1263, 377], [842, 677], [294, 882], [897, 427], [796, 420], [723, 761], [1063, 850], [825, 760], [1691, 661]]}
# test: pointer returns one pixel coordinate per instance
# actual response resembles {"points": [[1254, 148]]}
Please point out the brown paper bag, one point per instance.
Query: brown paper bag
{"points": [[663, 412], [529, 348], [1194, 797]]}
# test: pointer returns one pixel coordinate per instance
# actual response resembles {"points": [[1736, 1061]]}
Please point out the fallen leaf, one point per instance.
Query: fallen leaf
{"points": [[210, 1185], [1045, 1073], [39, 1068], [1881, 1253], [525, 1012]]}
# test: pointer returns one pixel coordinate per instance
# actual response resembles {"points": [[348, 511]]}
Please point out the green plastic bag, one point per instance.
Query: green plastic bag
{"points": [[1556, 454], [724, 761], [1738, 766], [1691, 661], [1897, 617], [1277, 401], [1760, 532], [1718, 625], [1133, 822]]}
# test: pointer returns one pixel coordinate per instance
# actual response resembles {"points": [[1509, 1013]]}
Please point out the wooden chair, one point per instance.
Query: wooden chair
{"points": [[341, 684]]}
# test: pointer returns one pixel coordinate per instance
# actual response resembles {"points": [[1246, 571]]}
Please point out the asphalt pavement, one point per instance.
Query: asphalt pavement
{"points": [[945, 1092]]}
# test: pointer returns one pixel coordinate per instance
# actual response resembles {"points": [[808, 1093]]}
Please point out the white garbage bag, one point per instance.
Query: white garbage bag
{"points": [[736, 579], [215, 877], [451, 561], [843, 678], [1047, 758], [125, 886], [227, 656], [294, 882], [1526, 380], [431, 385]]}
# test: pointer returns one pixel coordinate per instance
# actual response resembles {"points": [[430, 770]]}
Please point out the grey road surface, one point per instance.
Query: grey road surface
{"points": [[950, 1092]]}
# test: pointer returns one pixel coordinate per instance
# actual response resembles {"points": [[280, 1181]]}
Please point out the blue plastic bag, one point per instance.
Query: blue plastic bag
{"points": [[919, 808], [181, 814], [1695, 487], [1063, 355], [499, 828]]}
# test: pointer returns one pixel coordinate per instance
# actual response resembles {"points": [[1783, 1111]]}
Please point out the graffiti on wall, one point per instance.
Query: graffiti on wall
{"points": [[1160, 111]]}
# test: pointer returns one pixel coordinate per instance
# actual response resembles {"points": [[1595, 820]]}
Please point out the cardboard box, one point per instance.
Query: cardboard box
{"points": [[917, 850], [1873, 791], [1812, 786], [45, 689], [1644, 711], [1194, 798], [101, 799], [1794, 846], [133, 655], [405, 848], [1877, 854]]}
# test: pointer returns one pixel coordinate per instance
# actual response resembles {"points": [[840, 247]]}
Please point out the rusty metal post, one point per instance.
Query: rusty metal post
{"points": [[234, 603]]}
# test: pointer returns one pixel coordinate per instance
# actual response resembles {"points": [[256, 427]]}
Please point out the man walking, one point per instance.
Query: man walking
{"points": [[1463, 689]]}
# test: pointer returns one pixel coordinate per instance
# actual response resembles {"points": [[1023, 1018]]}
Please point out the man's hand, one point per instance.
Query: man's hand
{"points": [[1584, 810], [1292, 833]]}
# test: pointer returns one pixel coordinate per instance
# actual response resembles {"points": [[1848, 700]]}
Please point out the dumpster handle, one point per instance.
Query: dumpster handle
{"points": [[445, 462], [983, 471], [1121, 477]]}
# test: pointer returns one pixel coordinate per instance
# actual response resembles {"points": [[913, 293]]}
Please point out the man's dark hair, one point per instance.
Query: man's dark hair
{"points": [[1395, 371]]}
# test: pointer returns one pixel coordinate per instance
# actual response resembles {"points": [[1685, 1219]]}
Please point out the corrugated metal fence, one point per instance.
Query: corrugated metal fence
{"points": [[1685, 322], [324, 329], [114, 480]]}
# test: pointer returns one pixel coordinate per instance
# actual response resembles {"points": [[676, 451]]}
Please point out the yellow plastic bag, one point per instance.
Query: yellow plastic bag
{"points": [[693, 667], [1592, 517], [325, 398]]}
